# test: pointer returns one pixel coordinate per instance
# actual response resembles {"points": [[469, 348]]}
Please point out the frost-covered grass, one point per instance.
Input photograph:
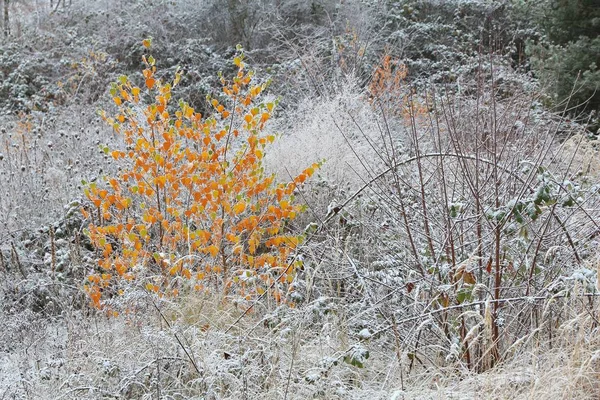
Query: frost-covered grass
{"points": [[282, 353]]}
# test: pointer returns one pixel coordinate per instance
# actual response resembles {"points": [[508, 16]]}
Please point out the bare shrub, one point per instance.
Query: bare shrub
{"points": [[464, 230]]}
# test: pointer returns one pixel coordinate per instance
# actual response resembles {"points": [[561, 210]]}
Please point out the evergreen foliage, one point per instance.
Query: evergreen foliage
{"points": [[567, 61]]}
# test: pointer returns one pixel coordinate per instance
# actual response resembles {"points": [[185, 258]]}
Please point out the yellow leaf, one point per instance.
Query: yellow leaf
{"points": [[293, 241], [147, 43], [117, 100], [161, 181], [239, 208], [253, 243], [189, 111]]}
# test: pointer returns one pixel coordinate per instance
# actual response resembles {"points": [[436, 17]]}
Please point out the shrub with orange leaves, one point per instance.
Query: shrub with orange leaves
{"points": [[388, 87], [192, 206]]}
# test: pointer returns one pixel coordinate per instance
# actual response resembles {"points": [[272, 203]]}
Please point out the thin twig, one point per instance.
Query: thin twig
{"points": [[189, 356]]}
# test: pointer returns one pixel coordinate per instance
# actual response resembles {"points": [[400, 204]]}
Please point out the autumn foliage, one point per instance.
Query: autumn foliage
{"points": [[192, 206], [390, 92]]}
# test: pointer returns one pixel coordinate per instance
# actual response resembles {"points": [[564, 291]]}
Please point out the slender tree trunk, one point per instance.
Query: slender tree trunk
{"points": [[58, 5], [6, 19]]}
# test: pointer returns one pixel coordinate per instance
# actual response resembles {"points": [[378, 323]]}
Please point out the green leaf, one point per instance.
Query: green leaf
{"points": [[518, 216], [357, 357], [463, 295]]}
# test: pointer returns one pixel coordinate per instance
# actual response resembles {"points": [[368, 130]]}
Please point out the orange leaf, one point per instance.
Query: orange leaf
{"points": [[150, 83], [213, 250], [95, 296], [151, 287], [232, 238]]}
